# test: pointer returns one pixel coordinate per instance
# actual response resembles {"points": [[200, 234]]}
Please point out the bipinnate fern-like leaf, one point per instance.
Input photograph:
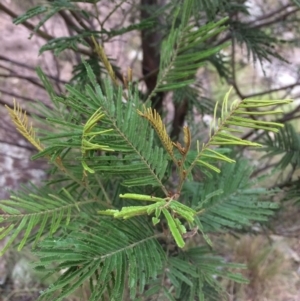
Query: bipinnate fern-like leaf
{"points": [[105, 253], [133, 136], [37, 212], [285, 143], [192, 273], [110, 125], [182, 51], [106, 140], [229, 199], [234, 119], [48, 11]]}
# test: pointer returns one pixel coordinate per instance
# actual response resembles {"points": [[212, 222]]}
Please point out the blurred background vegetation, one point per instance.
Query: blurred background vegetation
{"points": [[262, 60]]}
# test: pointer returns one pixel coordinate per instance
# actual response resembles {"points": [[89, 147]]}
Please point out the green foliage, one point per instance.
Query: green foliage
{"points": [[287, 144], [104, 252], [183, 51], [259, 44], [81, 130], [232, 204], [123, 202]]}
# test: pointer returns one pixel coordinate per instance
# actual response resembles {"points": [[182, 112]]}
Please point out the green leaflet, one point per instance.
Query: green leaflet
{"points": [[175, 228], [141, 197]]}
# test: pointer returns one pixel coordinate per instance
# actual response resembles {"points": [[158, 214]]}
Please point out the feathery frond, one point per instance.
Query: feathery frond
{"points": [[106, 253], [131, 131], [229, 199], [58, 45], [20, 119], [155, 120], [258, 43], [183, 53], [119, 212], [236, 115], [194, 273], [47, 10], [286, 143], [38, 211]]}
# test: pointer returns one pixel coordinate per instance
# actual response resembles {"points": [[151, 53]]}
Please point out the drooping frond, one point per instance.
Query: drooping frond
{"points": [[259, 44], [19, 118], [193, 275], [109, 254], [233, 118], [285, 143]]}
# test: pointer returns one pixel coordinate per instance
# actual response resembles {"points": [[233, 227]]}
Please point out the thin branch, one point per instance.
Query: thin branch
{"points": [[79, 20], [16, 95], [258, 171], [272, 90], [21, 64], [111, 12], [233, 81], [29, 79], [271, 14], [70, 24], [279, 18], [39, 32], [27, 24], [260, 25]]}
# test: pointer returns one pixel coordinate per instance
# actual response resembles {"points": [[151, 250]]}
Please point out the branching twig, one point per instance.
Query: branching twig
{"points": [[39, 32], [21, 64], [28, 78], [16, 96], [252, 95]]}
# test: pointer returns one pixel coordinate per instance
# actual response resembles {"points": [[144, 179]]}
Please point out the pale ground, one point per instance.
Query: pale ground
{"points": [[15, 164]]}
